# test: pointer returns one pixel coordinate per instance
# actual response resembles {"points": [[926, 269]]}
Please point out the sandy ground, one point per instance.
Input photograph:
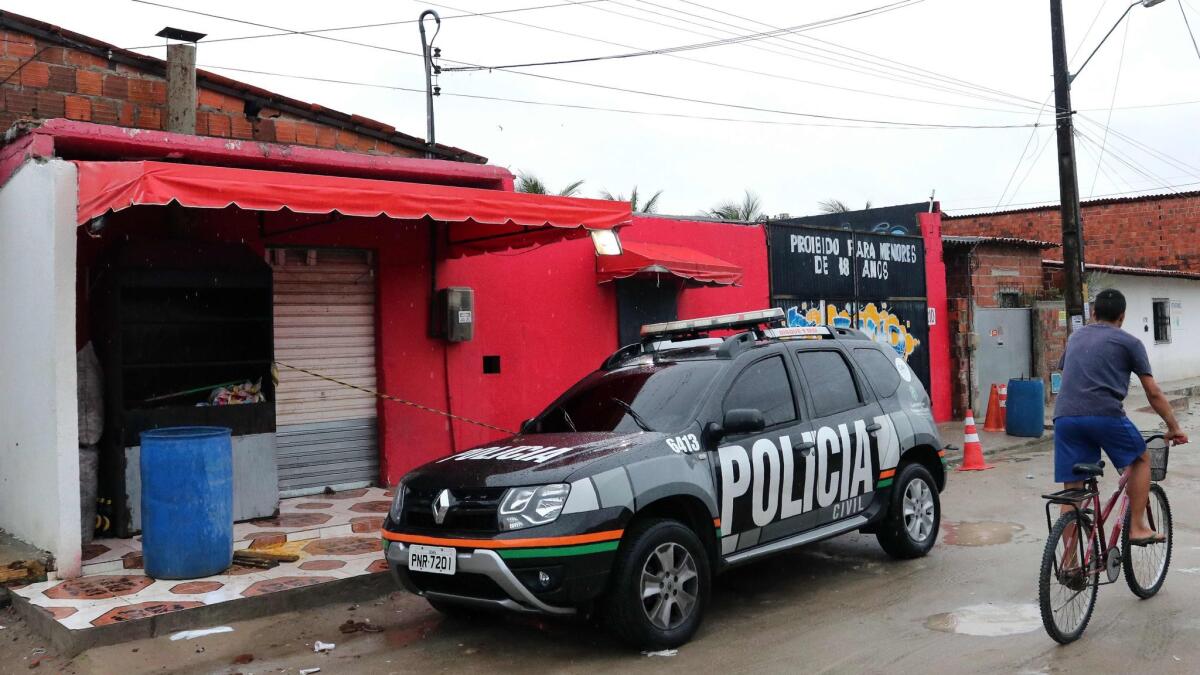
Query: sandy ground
{"points": [[838, 607]]}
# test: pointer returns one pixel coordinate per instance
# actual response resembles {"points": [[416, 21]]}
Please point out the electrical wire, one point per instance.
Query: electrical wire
{"points": [[651, 94], [466, 15], [573, 106], [1112, 102], [1052, 202], [726, 66], [1189, 28], [884, 61], [800, 52], [707, 45]]}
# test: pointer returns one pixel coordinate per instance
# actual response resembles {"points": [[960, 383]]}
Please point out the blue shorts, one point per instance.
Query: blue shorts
{"points": [[1079, 439]]}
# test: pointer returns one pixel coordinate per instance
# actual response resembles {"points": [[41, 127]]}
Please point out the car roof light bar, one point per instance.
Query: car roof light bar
{"points": [[710, 323]]}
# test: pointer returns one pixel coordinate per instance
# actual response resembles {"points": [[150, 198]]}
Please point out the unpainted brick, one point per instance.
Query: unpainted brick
{"points": [[78, 108], [89, 83], [35, 74]]}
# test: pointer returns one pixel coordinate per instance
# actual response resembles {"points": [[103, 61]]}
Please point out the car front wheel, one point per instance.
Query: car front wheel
{"points": [[914, 515], [660, 585]]}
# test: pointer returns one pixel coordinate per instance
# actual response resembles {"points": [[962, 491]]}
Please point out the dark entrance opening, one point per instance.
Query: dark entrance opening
{"points": [[644, 300]]}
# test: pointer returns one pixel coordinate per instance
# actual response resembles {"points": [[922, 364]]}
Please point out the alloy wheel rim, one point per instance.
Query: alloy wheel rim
{"points": [[670, 586], [918, 510]]}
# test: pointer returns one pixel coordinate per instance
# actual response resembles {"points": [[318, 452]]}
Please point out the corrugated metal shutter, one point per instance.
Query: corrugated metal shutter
{"points": [[325, 322]]}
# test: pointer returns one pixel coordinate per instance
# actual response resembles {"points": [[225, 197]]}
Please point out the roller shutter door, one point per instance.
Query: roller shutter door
{"points": [[325, 322]]}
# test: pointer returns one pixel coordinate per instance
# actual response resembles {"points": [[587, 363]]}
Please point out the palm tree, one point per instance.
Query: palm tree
{"points": [[650, 206], [837, 206], [531, 184], [749, 210]]}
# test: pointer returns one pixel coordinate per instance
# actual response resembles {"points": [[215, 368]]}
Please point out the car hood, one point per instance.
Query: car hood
{"points": [[525, 459]]}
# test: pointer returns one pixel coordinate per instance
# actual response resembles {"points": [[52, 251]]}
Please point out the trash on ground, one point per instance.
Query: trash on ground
{"points": [[309, 671], [200, 632], [662, 652], [352, 626], [319, 646]]}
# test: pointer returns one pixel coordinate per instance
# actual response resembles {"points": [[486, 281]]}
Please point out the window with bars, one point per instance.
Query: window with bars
{"points": [[1162, 320]]}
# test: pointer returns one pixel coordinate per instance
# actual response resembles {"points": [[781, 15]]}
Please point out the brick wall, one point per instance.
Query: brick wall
{"points": [[1049, 339], [56, 81], [996, 268], [1159, 232]]}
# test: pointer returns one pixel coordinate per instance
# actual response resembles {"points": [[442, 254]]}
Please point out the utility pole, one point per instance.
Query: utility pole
{"points": [[1068, 178], [429, 52]]}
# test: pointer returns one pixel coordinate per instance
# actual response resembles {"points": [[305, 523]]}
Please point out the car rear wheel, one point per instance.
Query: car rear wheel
{"points": [[914, 515], [660, 585]]}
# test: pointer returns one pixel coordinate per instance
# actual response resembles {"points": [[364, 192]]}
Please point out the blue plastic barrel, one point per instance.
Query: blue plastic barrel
{"points": [[187, 502], [1026, 408]]}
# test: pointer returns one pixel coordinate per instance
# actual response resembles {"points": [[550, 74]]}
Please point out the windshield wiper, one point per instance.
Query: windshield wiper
{"points": [[567, 418], [637, 419]]}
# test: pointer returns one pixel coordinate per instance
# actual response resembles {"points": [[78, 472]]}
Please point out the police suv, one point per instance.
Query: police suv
{"points": [[680, 457]]}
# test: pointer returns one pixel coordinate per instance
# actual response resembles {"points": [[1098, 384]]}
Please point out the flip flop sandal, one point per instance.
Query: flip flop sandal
{"points": [[1147, 541]]}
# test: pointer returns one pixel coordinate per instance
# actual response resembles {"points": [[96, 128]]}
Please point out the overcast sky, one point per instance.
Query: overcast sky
{"points": [[965, 62]]}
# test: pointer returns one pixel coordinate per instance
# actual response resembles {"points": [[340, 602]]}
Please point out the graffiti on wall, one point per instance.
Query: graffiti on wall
{"points": [[878, 322]]}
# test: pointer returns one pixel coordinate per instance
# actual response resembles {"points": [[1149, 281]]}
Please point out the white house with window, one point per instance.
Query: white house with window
{"points": [[1163, 312]]}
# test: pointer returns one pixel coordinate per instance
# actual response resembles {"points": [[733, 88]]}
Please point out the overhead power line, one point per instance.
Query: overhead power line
{"points": [[577, 106], [1112, 102], [465, 15], [707, 45], [652, 94], [1054, 202], [1189, 28]]}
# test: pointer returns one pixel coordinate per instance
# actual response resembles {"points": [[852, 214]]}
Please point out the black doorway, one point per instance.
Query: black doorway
{"points": [[641, 301]]}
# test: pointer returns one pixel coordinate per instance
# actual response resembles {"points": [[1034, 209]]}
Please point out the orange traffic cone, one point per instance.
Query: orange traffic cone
{"points": [[972, 450], [994, 421]]}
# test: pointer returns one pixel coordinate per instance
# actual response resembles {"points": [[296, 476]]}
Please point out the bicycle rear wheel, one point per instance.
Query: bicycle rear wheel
{"points": [[1146, 566], [1066, 588]]}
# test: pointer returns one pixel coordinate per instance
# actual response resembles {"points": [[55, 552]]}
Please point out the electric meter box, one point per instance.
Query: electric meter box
{"points": [[454, 314]]}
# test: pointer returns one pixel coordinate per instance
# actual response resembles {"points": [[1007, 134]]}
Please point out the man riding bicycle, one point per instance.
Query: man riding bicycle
{"points": [[1089, 414]]}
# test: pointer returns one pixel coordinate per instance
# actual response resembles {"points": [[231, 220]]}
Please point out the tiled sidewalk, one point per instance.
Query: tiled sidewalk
{"points": [[336, 536]]}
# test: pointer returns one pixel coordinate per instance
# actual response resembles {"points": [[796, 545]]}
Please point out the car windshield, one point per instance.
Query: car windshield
{"points": [[659, 397]]}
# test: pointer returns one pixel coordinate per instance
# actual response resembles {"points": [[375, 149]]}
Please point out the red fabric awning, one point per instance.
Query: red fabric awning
{"points": [[485, 219], [639, 257]]}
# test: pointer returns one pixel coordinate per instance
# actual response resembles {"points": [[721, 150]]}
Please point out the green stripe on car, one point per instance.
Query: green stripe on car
{"points": [[884, 483], [556, 551]]}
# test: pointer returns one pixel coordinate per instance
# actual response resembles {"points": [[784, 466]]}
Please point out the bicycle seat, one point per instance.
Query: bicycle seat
{"points": [[1092, 470]]}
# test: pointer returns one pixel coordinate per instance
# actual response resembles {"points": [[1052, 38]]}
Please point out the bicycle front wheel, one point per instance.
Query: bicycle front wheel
{"points": [[1066, 586], [1146, 566]]}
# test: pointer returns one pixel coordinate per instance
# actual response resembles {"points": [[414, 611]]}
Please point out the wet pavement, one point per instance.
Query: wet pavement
{"points": [[838, 607]]}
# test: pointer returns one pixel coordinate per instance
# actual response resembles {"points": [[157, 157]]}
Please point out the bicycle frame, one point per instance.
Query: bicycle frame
{"points": [[1090, 496]]}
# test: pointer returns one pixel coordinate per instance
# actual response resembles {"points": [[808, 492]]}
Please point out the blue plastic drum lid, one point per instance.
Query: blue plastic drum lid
{"points": [[1026, 412], [187, 501]]}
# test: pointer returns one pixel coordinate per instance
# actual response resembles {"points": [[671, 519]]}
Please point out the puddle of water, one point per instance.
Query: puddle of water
{"points": [[982, 533], [990, 620]]}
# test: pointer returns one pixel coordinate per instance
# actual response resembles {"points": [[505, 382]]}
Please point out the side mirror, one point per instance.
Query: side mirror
{"points": [[743, 421]]}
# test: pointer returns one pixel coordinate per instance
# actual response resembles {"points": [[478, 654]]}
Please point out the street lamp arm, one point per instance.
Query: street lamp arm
{"points": [[1144, 3]]}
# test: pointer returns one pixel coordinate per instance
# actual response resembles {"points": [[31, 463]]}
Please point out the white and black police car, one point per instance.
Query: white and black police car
{"points": [[680, 457]]}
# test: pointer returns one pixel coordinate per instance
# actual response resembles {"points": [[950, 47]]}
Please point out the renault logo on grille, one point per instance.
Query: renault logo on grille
{"points": [[441, 505]]}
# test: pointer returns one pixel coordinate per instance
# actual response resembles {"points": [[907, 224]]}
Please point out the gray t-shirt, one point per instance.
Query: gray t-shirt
{"points": [[1095, 371]]}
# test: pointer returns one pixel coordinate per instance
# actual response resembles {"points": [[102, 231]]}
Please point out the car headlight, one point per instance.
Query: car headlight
{"points": [[529, 506], [397, 504]]}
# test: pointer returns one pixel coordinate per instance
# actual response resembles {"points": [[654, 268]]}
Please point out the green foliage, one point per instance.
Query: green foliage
{"points": [[749, 209], [649, 206], [531, 184]]}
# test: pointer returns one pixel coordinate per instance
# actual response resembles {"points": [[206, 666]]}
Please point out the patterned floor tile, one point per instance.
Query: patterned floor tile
{"points": [[142, 610], [345, 494], [306, 506], [322, 565], [343, 546], [283, 584], [98, 587], [59, 612], [94, 550], [380, 565], [366, 524], [380, 506], [292, 520], [196, 587]]}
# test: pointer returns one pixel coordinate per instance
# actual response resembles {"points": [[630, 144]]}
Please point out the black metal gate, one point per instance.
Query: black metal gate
{"points": [[874, 282]]}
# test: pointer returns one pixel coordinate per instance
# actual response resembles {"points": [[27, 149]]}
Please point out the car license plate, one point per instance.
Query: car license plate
{"points": [[434, 559]]}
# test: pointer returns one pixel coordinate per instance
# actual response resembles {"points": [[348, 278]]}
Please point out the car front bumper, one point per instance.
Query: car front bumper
{"points": [[482, 562]]}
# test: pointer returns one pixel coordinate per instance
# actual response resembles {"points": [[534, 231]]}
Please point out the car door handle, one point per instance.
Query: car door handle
{"points": [[873, 427]]}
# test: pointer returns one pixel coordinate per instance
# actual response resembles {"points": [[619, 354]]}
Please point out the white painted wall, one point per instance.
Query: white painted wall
{"points": [[39, 437], [1179, 359]]}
